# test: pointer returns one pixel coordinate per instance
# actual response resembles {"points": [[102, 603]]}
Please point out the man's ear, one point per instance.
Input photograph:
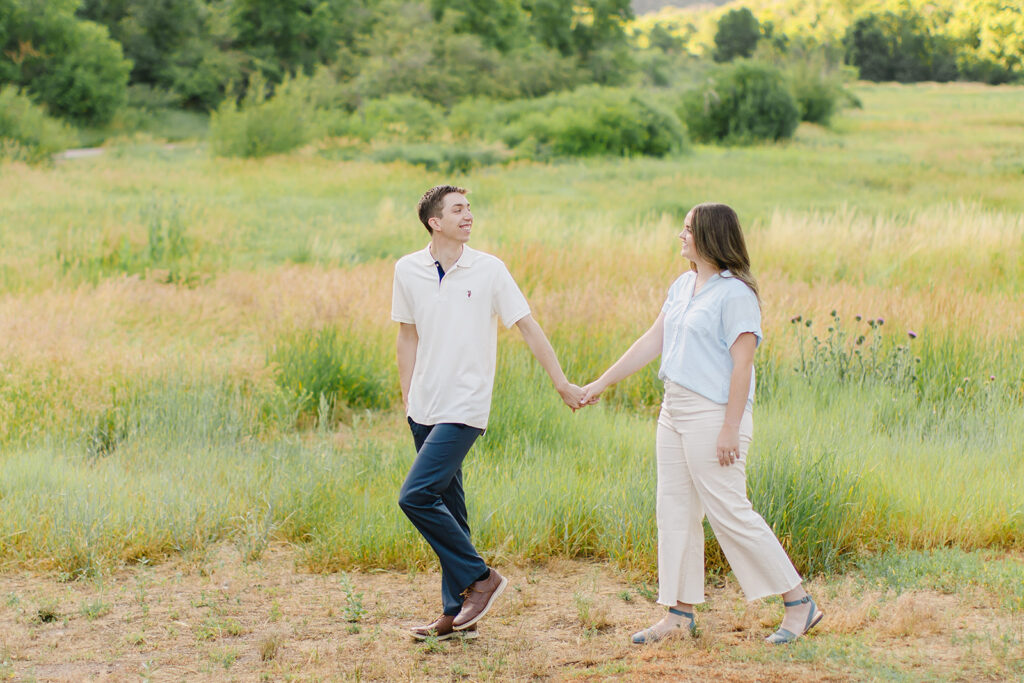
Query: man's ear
{"points": [[433, 221]]}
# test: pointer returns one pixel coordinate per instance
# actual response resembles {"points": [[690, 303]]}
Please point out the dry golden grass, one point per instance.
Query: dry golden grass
{"points": [[216, 618]]}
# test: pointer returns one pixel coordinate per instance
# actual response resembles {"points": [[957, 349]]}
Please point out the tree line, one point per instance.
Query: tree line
{"points": [[885, 40], [79, 57]]}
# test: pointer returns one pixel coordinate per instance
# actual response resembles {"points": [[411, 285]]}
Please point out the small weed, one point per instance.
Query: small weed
{"points": [[47, 613], [646, 592], [213, 628], [626, 596], [225, 657], [354, 610], [13, 600], [431, 645], [593, 617], [135, 639], [275, 612], [94, 610], [270, 648]]}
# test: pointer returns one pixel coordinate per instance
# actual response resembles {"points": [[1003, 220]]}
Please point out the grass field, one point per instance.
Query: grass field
{"points": [[197, 351]]}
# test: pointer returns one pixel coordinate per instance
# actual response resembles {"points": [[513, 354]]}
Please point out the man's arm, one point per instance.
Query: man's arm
{"points": [[545, 355], [408, 340]]}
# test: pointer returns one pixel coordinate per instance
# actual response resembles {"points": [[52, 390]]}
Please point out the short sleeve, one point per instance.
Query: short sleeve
{"points": [[509, 303], [401, 303], [741, 313]]}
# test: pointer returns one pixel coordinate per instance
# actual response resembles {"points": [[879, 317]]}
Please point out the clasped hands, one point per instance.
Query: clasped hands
{"points": [[577, 397]]}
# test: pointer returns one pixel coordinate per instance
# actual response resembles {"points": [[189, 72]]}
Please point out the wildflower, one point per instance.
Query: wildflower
{"points": [[834, 314], [807, 323], [858, 317], [992, 378], [881, 321], [966, 380], [795, 319], [912, 334], [860, 339]]}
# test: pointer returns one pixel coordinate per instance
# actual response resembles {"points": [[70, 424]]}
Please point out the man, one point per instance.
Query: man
{"points": [[447, 299]]}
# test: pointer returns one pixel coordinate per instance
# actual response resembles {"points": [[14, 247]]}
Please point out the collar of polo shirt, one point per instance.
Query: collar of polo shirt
{"points": [[466, 260]]}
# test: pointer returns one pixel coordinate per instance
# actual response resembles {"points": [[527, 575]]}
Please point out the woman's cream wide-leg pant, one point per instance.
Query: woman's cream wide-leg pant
{"points": [[691, 483]]}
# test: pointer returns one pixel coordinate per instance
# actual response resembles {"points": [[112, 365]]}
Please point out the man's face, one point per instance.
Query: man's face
{"points": [[456, 219]]}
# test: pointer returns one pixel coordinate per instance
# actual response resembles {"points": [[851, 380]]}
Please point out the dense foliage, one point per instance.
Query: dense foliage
{"points": [[71, 66], [905, 40], [742, 103], [283, 73], [26, 132]]}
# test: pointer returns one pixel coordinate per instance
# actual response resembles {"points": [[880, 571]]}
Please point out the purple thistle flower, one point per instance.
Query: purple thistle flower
{"points": [[912, 334]]}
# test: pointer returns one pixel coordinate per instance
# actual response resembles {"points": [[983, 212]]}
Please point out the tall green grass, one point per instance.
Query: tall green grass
{"points": [[253, 396]]}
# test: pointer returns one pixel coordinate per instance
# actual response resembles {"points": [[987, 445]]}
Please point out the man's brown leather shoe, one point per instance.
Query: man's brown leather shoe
{"points": [[440, 629], [479, 598]]}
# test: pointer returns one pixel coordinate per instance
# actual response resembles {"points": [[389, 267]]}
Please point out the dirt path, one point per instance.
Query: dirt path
{"points": [[219, 619]]}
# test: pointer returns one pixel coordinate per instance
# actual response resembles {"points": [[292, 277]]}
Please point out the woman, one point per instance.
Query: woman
{"points": [[706, 334]]}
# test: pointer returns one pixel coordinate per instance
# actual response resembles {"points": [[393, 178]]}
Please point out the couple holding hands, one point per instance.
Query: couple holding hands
{"points": [[447, 299]]}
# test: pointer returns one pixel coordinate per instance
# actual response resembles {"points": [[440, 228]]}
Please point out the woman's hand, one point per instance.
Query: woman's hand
{"points": [[728, 446], [592, 393]]}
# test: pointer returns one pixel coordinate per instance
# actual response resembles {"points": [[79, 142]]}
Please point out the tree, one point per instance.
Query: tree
{"points": [[70, 65], [292, 36], [502, 24], [737, 35], [899, 46]]}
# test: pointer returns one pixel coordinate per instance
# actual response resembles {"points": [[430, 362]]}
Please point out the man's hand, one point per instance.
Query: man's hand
{"points": [[572, 395]]}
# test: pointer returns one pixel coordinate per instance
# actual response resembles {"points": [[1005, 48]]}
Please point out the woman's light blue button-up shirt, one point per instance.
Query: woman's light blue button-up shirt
{"points": [[700, 330]]}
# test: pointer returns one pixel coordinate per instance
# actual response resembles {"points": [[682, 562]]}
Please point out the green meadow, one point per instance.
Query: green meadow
{"points": [[196, 350]]}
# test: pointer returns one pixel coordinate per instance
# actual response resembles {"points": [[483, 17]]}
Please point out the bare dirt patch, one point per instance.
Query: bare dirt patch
{"points": [[217, 618]]}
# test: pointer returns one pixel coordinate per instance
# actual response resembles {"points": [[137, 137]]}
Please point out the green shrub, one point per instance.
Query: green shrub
{"points": [[398, 117], [262, 124], [817, 94], [592, 121], [325, 371], [447, 158], [27, 133], [742, 103]]}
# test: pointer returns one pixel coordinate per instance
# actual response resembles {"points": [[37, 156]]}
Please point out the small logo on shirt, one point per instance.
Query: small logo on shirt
{"points": [[469, 293]]}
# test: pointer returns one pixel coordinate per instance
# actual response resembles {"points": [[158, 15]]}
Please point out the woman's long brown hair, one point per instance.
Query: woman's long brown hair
{"points": [[718, 238]]}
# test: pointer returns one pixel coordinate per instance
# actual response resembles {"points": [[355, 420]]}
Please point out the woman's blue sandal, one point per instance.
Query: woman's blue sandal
{"points": [[649, 635], [784, 636]]}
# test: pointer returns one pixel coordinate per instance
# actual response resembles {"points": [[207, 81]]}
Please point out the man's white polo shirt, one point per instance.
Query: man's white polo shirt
{"points": [[456, 321]]}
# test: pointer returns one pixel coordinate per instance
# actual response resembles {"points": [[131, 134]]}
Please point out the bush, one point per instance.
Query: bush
{"points": [[742, 103], [401, 117], [27, 133], [817, 93], [447, 158], [592, 121], [325, 371], [263, 125]]}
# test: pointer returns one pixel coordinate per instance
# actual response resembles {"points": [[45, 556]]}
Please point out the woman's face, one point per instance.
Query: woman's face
{"points": [[688, 249]]}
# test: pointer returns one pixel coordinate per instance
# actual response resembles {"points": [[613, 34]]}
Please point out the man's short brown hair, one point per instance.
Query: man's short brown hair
{"points": [[432, 202]]}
